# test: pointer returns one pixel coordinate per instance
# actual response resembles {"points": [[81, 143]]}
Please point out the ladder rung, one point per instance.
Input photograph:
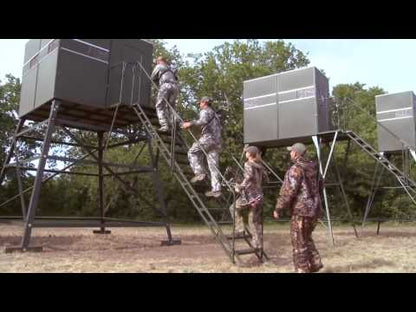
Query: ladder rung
{"points": [[181, 152], [165, 140], [245, 251], [170, 142], [239, 237]]}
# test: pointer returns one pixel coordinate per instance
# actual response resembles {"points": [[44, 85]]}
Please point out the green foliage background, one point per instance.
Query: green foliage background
{"points": [[220, 74]]}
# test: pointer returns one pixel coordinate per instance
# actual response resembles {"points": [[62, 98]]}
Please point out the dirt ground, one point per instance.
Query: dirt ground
{"points": [[134, 250]]}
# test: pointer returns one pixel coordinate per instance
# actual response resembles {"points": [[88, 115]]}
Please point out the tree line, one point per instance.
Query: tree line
{"points": [[219, 74]]}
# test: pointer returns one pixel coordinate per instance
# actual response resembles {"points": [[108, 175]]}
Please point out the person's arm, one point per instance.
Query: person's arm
{"points": [[265, 176], [204, 118], [248, 175], [290, 188]]}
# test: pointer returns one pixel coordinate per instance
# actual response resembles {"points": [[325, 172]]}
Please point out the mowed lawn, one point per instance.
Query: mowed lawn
{"points": [[134, 250]]}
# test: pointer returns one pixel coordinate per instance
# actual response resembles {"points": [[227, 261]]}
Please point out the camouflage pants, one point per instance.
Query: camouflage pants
{"points": [[255, 220], [196, 160], [305, 255], [168, 92]]}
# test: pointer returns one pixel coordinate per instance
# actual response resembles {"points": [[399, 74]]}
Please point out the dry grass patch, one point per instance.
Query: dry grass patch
{"points": [[135, 250]]}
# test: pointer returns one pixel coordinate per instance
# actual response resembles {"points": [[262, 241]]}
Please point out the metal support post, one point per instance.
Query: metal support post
{"points": [[316, 142], [127, 186], [161, 197], [344, 196], [374, 187], [101, 203], [22, 195], [37, 186]]}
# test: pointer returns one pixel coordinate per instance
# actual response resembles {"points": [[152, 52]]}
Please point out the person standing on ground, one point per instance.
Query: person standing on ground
{"points": [[300, 193]]}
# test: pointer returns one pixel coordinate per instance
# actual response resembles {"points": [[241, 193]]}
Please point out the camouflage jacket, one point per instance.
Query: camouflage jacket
{"points": [[211, 125], [301, 190], [254, 174], [163, 74]]}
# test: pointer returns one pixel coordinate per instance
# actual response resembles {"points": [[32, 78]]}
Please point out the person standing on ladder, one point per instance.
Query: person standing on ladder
{"points": [[300, 193], [251, 188], [210, 142], [167, 80]]}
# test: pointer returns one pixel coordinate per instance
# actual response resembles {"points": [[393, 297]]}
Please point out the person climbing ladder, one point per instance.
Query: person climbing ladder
{"points": [[167, 79], [210, 142]]}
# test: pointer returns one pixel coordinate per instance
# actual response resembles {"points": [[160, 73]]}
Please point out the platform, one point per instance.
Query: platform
{"points": [[326, 136], [89, 117]]}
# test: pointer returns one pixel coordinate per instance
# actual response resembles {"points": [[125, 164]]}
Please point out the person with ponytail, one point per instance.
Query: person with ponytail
{"points": [[251, 186]]}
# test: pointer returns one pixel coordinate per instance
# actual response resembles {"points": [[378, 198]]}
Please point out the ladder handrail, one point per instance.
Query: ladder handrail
{"points": [[354, 103], [400, 176], [182, 179], [174, 112], [348, 132]]}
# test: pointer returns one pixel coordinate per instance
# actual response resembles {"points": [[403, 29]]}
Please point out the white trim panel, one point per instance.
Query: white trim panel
{"points": [[40, 61], [394, 110], [260, 106], [281, 92], [292, 90], [92, 45], [260, 96], [90, 57], [299, 99], [289, 71], [396, 118], [37, 53]]}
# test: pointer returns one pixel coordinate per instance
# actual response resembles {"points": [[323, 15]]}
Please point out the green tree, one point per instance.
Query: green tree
{"points": [[220, 75], [9, 103]]}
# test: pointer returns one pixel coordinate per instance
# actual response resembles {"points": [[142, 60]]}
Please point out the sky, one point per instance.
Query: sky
{"points": [[386, 63]]}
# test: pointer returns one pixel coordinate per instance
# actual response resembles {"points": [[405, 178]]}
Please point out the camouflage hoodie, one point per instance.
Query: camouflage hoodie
{"points": [[253, 178], [211, 126], [301, 189], [163, 74]]}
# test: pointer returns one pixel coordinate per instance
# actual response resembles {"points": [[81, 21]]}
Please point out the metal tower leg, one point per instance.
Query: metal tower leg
{"points": [[347, 205], [318, 151], [101, 203], [374, 187], [161, 197], [347, 150], [22, 195], [37, 186], [404, 162], [11, 151]]}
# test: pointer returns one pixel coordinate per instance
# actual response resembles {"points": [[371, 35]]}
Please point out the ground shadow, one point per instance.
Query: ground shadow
{"points": [[398, 234], [64, 241], [81, 242], [373, 264]]}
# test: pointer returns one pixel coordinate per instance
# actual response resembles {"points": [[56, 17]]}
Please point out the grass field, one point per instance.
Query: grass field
{"points": [[138, 250]]}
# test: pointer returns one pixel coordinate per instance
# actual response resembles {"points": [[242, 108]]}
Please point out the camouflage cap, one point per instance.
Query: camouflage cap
{"points": [[252, 150], [298, 147], [206, 99]]}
